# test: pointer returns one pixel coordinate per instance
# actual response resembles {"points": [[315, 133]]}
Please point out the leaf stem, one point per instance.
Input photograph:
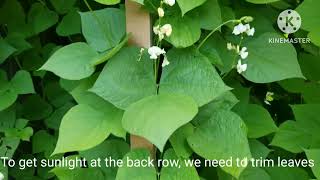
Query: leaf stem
{"points": [[214, 30], [112, 52], [18, 62]]}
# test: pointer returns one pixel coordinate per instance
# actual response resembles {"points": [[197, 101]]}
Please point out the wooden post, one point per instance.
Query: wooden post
{"points": [[138, 23]]}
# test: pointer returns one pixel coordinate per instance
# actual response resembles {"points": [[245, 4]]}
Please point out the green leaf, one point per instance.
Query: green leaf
{"points": [[308, 119], [180, 172], [222, 136], [108, 2], [53, 121], [257, 119], [186, 31], [43, 142], [269, 62], [258, 150], [112, 114], [103, 29], [218, 43], [179, 142], [18, 41], [41, 18], [172, 110], [250, 173], [315, 37], [70, 24], [191, 73], [310, 66], [310, 16], [291, 137], [8, 118], [9, 146], [22, 83], [91, 129], [187, 5], [261, 1], [125, 79], [35, 108], [292, 173], [136, 173], [5, 50], [314, 154], [62, 6], [209, 15], [114, 149], [67, 173], [72, 62], [8, 97]]}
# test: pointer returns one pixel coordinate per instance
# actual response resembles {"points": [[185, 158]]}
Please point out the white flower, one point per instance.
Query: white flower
{"points": [[166, 29], [165, 62], [241, 67], [230, 46], [160, 12], [170, 2], [239, 29], [250, 32], [155, 51], [243, 53], [1, 176], [156, 29]]}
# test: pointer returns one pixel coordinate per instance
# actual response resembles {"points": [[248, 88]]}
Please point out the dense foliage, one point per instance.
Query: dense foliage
{"points": [[212, 86]]}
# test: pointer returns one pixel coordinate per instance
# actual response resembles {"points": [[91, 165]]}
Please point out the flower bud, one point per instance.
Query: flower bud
{"points": [[160, 12]]}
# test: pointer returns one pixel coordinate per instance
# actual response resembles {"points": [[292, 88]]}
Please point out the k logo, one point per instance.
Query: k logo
{"points": [[289, 21]]}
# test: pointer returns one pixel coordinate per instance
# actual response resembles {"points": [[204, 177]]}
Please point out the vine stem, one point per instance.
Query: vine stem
{"points": [[214, 30], [112, 52]]}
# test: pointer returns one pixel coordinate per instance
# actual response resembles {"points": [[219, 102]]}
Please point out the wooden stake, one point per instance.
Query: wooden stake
{"points": [[139, 25]]}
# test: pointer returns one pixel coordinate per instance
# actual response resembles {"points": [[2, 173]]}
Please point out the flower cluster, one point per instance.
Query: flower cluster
{"points": [[165, 30], [161, 31], [240, 29]]}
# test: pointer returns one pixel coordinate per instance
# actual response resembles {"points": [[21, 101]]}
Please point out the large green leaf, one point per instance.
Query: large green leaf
{"points": [[86, 119], [103, 29], [314, 154], [125, 80], [192, 74], [41, 17], [309, 12], [187, 5], [291, 138], [269, 62], [72, 62], [177, 173], [172, 110], [136, 173], [257, 119], [185, 31], [5, 50], [43, 142], [310, 65], [222, 136]]}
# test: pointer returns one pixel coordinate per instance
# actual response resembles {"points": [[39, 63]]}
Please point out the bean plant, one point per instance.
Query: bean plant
{"points": [[214, 85]]}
